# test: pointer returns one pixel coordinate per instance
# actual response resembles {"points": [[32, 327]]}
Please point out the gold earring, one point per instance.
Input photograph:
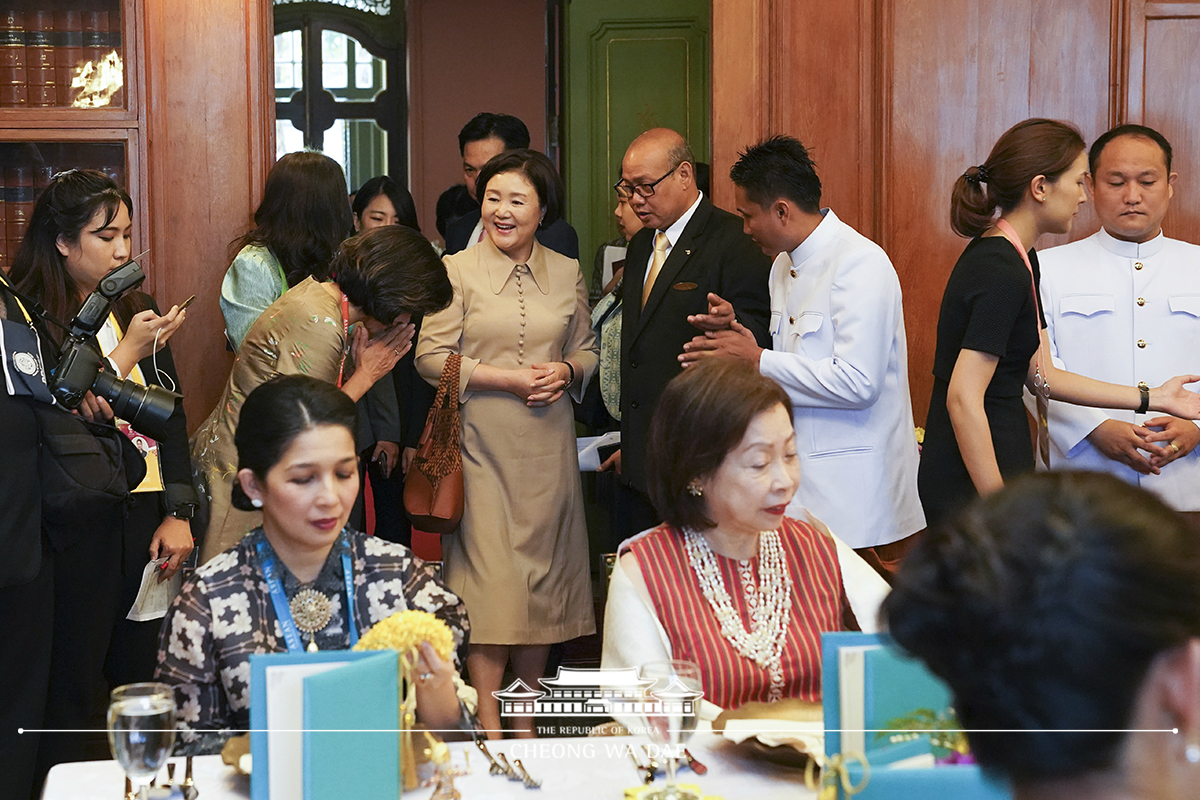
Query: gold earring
{"points": [[695, 489]]}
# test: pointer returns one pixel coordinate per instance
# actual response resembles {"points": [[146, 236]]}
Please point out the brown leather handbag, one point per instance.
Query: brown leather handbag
{"points": [[433, 488]]}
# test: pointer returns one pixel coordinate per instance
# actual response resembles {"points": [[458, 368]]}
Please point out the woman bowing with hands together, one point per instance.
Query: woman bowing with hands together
{"points": [[349, 330], [521, 322]]}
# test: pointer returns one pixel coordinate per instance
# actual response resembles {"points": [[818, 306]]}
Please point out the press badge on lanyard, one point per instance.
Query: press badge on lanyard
{"points": [[148, 447]]}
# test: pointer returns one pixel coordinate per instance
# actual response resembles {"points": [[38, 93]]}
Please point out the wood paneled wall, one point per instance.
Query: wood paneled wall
{"points": [[464, 57], [897, 97], [210, 118]]}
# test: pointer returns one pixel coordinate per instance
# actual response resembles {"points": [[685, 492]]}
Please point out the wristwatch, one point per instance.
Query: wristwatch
{"points": [[184, 511]]}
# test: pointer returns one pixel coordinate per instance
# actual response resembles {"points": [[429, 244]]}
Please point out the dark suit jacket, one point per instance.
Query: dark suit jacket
{"points": [[712, 255], [559, 237]]}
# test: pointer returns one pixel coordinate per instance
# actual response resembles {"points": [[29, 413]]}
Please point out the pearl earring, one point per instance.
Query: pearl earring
{"points": [[256, 502], [695, 489], [1192, 753]]}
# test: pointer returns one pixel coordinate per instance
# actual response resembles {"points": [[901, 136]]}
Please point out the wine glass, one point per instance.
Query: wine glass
{"points": [[671, 694], [141, 730]]}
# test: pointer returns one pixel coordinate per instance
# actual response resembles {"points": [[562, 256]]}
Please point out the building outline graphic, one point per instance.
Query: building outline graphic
{"points": [[596, 692]]}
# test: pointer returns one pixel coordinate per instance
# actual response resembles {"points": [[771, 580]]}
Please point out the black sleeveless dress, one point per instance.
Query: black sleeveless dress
{"points": [[988, 306]]}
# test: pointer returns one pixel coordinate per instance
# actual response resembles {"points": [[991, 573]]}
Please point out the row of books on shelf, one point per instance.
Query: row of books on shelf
{"points": [[46, 57]]}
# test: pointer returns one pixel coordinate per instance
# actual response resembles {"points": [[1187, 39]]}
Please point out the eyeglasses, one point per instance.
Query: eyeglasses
{"points": [[626, 190]]}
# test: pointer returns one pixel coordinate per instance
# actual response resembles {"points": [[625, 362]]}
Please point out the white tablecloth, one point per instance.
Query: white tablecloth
{"points": [[572, 769]]}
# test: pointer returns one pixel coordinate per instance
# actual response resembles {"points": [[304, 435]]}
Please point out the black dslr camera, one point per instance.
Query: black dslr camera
{"points": [[81, 368]]}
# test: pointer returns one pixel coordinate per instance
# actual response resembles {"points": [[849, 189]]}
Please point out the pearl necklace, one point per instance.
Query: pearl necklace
{"points": [[769, 602]]}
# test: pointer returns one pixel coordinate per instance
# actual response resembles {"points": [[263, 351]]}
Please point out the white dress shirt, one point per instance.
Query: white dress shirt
{"points": [[1122, 312], [837, 327]]}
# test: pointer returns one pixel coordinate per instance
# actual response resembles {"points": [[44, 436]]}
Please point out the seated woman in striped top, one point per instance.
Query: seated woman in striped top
{"points": [[728, 581]]}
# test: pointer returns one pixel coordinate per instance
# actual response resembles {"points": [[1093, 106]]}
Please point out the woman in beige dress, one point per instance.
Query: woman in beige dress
{"points": [[383, 277], [520, 320]]}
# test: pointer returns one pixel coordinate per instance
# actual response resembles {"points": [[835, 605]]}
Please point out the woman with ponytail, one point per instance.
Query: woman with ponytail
{"points": [[991, 339]]}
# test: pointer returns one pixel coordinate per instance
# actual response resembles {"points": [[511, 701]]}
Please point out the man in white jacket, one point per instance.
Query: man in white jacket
{"points": [[1123, 305], [839, 350]]}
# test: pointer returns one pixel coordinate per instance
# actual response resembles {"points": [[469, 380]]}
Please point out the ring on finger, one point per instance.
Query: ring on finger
{"points": [[424, 676], [1174, 447]]}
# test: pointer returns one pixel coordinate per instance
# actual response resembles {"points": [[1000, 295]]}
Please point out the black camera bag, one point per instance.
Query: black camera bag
{"points": [[87, 469]]}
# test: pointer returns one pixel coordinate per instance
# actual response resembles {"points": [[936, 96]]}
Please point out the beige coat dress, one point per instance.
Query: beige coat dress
{"points": [[519, 560]]}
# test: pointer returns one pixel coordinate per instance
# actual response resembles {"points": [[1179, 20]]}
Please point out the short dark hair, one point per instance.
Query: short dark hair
{"points": [[504, 127], [402, 199], [1030, 148], [1128, 130], [278, 411], [304, 215], [1043, 606], [700, 417], [778, 167], [538, 169], [452, 204], [390, 270]]}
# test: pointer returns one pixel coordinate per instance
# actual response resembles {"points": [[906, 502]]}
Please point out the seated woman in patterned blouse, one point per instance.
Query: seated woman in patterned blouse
{"points": [[298, 464], [728, 581]]}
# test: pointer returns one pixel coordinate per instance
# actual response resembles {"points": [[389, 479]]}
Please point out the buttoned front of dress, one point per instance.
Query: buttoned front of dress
{"points": [[520, 559]]}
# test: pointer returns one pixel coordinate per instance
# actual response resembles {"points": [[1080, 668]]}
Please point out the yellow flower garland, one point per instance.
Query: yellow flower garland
{"points": [[405, 630]]}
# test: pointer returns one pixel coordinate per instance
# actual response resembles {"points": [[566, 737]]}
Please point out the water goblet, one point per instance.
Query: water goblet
{"points": [[141, 730], [671, 697]]}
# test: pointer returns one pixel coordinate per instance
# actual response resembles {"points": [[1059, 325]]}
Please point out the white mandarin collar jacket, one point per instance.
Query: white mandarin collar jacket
{"points": [[1122, 312], [837, 327]]}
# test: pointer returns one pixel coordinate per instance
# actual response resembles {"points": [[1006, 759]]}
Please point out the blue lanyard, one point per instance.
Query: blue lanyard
{"points": [[284, 612]]}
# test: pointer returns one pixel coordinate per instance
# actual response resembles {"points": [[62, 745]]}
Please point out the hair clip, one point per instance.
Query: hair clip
{"points": [[980, 175]]}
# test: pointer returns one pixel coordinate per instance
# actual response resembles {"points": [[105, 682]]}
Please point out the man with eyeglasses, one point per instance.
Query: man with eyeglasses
{"points": [[688, 256]]}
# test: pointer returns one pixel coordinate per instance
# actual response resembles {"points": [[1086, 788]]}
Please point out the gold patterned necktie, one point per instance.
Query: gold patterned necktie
{"points": [[660, 255]]}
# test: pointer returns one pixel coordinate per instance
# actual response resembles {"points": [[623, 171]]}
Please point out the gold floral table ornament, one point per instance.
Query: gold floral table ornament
{"points": [[403, 632], [833, 776]]}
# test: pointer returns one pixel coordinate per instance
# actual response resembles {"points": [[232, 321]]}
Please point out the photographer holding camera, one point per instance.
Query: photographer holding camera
{"points": [[71, 615]]}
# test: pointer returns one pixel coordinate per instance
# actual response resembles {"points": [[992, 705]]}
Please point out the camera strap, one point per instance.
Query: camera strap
{"points": [[108, 337], [345, 336]]}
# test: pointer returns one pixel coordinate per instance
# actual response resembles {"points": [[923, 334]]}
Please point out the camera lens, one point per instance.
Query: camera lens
{"points": [[145, 408]]}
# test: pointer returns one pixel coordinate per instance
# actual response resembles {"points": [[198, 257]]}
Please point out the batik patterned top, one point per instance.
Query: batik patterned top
{"points": [[730, 679], [224, 615]]}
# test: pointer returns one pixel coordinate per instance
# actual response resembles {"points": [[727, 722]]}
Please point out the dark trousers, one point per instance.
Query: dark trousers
{"points": [[391, 523], [633, 512], [26, 629], [133, 652], [87, 578]]}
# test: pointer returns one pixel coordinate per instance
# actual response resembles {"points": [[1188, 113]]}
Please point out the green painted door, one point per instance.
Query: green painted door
{"points": [[630, 66]]}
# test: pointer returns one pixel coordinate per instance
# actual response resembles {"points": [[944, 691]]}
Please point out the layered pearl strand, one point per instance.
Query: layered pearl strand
{"points": [[769, 600]]}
